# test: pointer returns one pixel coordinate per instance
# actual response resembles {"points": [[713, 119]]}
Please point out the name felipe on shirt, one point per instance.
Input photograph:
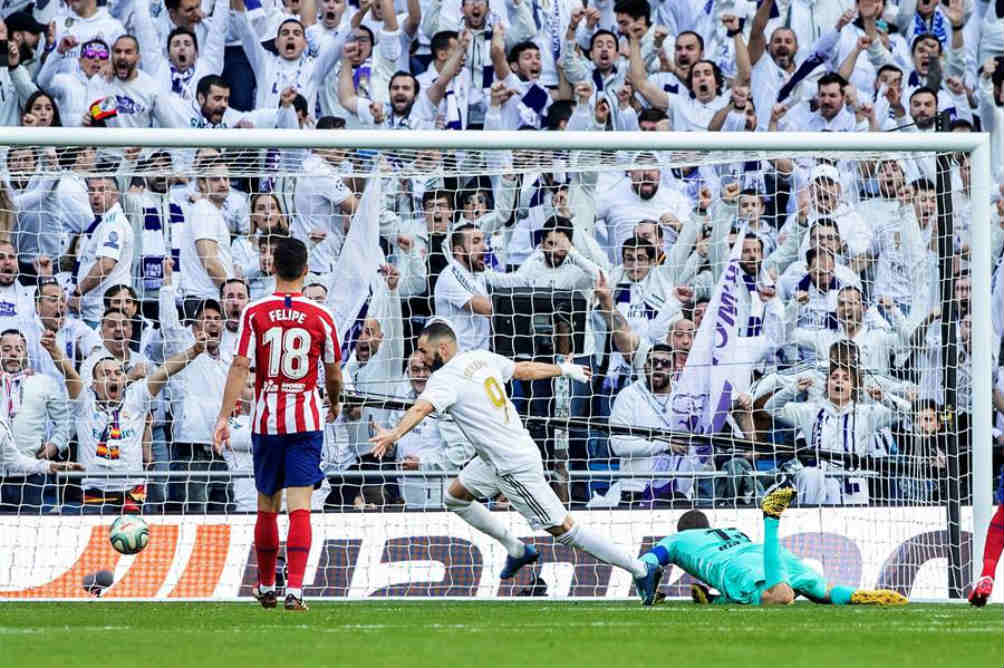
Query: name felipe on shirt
{"points": [[285, 315]]}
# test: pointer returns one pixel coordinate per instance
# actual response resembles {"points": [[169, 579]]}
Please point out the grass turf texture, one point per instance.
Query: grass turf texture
{"points": [[447, 633]]}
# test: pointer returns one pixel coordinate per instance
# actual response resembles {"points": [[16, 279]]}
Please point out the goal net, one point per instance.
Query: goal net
{"points": [[751, 307]]}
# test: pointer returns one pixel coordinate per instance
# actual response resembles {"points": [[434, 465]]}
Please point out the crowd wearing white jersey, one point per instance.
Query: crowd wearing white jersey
{"points": [[645, 246]]}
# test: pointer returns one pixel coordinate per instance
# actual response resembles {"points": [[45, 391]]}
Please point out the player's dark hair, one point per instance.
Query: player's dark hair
{"points": [[208, 81], [289, 257], [441, 41], [692, 519], [183, 30], [438, 330], [135, 41], [922, 184]]}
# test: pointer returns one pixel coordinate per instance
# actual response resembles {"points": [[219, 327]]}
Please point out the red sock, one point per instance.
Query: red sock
{"points": [[298, 546], [994, 544], [266, 545]]}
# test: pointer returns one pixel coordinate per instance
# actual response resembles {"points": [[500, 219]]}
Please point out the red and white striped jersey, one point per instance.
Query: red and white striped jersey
{"points": [[285, 336]]}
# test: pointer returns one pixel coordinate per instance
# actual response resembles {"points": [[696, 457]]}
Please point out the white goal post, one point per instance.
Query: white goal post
{"points": [[738, 146]]}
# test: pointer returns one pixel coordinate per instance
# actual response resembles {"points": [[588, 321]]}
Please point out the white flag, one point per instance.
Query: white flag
{"points": [[718, 366], [356, 273]]}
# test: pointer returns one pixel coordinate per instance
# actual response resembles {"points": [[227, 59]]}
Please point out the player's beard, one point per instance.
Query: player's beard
{"points": [[437, 363]]}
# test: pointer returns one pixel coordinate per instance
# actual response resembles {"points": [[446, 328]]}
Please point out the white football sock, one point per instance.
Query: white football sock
{"points": [[482, 519], [265, 588], [295, 592], [602, 548]]}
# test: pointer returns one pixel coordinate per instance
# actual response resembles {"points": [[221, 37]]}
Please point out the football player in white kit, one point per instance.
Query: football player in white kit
{"points": [[470, 387]]}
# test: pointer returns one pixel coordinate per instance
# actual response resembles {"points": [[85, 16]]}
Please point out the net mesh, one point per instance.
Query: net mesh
{"points": [[744, 315]]}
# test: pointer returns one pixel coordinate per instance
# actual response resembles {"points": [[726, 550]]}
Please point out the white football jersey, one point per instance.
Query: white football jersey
{"points": [[471, 389]]}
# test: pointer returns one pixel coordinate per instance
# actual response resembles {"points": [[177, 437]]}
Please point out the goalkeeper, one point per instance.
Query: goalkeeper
{"points": [[748, 573]]}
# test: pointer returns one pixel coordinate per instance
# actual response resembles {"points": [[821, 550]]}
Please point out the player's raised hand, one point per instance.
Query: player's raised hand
{"points": [[382, 442], [221, 435]]}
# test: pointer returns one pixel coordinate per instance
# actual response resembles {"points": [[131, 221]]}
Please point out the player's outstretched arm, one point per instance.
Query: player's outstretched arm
{"points": [[156, 382], [236, 380], [385, 439], [543, 371]]}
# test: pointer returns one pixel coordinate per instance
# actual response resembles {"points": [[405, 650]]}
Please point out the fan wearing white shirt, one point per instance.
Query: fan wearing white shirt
{"points": [[15, 299], [776, 62], [68, 82], [205, 243], [433, 445], [324, 203], [469, 387], [68, 204], [86, 21], [35, 405], [293, 67], [111, 420], [139, 98], [73, 337], [106, 251], [643, 195], [185, 63], [693, 109], [462, 295], [831, 115]]}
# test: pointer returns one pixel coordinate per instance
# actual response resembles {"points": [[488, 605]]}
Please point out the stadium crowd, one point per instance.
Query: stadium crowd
{"points": [[122, 265]]}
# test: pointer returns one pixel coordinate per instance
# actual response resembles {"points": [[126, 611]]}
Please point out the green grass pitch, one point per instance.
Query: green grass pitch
{"points": [[525, 633]]}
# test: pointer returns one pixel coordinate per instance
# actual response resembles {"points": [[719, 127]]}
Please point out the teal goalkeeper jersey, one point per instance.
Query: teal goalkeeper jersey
{"points": [[707, 553]]}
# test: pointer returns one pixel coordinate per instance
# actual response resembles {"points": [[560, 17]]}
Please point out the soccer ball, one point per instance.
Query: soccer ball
{"points": [[129, 534]]}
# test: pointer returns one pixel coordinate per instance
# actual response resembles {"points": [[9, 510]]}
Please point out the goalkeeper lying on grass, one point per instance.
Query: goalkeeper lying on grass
{"points": [[748, 573]]}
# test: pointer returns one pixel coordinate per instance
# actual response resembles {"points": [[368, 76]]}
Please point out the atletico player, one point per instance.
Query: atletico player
{"points": [[983, 588], [285, 337]]}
